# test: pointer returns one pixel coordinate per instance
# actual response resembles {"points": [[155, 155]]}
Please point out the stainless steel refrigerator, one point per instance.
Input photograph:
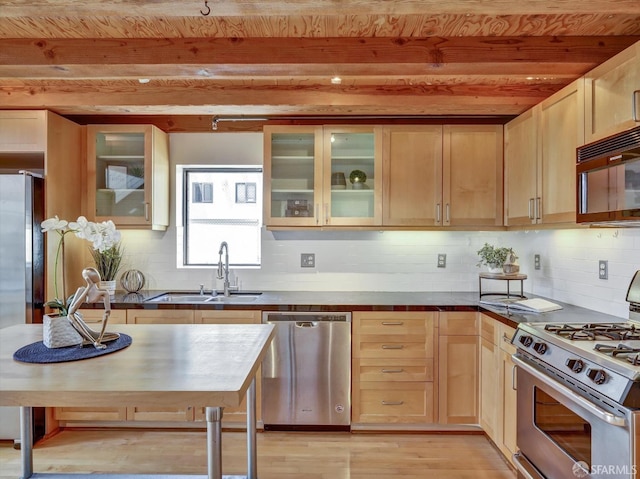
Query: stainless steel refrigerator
{"points": [[21, 270]]}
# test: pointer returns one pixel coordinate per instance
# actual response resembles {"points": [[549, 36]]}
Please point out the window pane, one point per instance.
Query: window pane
{"points": [[234, 215]]}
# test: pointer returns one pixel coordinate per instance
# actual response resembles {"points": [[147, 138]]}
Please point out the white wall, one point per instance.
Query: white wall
{"points": [[392, 260]]}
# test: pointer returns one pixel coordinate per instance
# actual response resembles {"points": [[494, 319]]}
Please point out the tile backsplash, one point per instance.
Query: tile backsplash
{"points": [[407, 261]]}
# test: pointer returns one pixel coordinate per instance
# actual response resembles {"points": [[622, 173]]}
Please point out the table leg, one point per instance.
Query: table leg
{"points": [[214, 442], [252, 462], [26, 441]]}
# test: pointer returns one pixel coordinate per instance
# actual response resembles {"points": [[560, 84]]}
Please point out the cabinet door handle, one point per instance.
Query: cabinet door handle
{"points": [[316, 213], [447, 218], [506, 338], [392, 323], [636, 100], [531, 217], [538, 208], [514, 384], [392, 346], [392, 371], [326, 213], [146, 211], [438, 213], [392, 403]]}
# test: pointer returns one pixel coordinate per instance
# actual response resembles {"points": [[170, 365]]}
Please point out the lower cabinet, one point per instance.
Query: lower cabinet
{"points": [[508, 424], [92, 317], [231, 416], [393, 368], [498, 385], [458, 367]]}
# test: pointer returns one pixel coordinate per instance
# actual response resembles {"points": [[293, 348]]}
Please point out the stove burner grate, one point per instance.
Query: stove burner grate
{"points": [[631, 354], [595, 331]]}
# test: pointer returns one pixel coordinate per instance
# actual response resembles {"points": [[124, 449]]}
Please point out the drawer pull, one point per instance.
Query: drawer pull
{"points": [[506, 338], [392, 403], [393, 370], [392, 323], [392, 346]]}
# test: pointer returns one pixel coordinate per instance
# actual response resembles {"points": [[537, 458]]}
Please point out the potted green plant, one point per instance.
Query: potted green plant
{"points": [[494, 258]]}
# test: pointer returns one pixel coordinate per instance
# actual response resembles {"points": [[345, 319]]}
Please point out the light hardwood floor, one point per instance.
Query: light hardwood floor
{"points": [[281, 455]]}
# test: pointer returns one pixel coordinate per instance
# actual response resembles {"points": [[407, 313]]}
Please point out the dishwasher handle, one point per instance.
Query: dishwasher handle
{"points": [[306, 324]]}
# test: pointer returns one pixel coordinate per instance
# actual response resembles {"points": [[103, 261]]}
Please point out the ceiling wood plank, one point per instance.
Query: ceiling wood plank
{"points": [[188, 8]]}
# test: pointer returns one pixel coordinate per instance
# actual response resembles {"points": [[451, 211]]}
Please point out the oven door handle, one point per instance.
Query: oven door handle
{"points": [[571, 396]]}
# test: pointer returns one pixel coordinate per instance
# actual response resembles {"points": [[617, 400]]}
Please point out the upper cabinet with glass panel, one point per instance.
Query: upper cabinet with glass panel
{"points": [[128, 175], [308, 172], [352, 176]]}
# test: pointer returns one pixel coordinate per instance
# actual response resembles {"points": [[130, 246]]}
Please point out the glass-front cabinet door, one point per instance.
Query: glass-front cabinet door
{"points": [[352, 173], [125, 164], [293, 175]]}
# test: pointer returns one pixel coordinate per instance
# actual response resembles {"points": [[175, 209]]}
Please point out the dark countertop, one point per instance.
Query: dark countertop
{"points": [[370, 301]]}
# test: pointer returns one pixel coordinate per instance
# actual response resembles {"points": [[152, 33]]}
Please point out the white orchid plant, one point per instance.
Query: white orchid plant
{"points": [[105, 249]]}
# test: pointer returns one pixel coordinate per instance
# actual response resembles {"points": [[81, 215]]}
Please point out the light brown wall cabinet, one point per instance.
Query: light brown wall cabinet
{"points": [[458, 368], [540, 157], [307, 173], [393, 368], [128, 175], [612, 95], [417, 176], [23, 131]]}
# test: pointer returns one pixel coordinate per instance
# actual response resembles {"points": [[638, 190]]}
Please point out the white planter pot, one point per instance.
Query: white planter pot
{"points": [[57, 332], [110, 286], [494, 269]]}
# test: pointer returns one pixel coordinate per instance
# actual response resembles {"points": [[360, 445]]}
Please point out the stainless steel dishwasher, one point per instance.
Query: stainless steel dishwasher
{"points": [[306, 375]]}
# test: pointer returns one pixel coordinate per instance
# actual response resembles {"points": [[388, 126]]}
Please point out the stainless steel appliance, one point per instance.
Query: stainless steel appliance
{"points": [[306, 375], [609, 180], [21, 270], [579, 397]]}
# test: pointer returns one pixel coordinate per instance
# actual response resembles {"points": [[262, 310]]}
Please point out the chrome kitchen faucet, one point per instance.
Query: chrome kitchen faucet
{"points": [[223, 270]]}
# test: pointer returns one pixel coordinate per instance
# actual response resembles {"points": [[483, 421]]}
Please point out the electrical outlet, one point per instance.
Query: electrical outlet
{"points": [[308, 260], [536, 261], [442, 260], [603, 269]]}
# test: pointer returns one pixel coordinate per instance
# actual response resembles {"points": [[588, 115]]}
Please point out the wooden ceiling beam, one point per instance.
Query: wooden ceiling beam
{"points": [[434, 51], [171, 8]]}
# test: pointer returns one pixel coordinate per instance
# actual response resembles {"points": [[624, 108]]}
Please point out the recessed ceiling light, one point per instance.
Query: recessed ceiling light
{"points": [[336, 80], [143, 80]]}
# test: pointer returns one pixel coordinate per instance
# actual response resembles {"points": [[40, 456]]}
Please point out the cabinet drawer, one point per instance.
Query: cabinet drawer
{"points": [[90, 413], [159, 316], [505, 334], [489, 329], [393, 369], [117, 316], [394, 350], [460, 323], [392, 327], [395, 402]]}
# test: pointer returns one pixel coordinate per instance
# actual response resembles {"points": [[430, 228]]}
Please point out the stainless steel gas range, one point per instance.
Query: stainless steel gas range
{"points": [[579, 397]]}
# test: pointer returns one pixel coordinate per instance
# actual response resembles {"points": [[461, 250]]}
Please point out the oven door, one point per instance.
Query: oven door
{"points": [[563, 435]]}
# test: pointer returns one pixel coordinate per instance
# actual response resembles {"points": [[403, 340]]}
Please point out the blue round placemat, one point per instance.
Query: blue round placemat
{"points": [[39, 353]]}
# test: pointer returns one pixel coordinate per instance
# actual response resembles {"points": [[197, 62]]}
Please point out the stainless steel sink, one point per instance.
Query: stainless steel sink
{"points": [[196, 297]]}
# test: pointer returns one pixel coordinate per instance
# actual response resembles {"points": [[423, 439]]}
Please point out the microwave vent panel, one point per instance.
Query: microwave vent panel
{"points": [[610, 146]]}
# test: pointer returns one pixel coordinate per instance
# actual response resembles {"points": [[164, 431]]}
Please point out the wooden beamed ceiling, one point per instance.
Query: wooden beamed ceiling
{"points": [[276, 58]]}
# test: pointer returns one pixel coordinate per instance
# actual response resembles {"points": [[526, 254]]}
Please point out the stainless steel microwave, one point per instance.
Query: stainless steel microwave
{"points": [[608, 180]]}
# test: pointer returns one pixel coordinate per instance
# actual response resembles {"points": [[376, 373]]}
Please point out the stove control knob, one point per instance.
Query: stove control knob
{"points": [[526, 341], [576, 365], [598, 376], [540, 348]]}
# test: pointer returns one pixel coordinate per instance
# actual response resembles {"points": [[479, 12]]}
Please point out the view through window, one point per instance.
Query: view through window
{"points": [[221, 204]]}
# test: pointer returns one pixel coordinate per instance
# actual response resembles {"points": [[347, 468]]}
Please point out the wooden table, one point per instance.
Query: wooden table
{"points": [[166, 366]]}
